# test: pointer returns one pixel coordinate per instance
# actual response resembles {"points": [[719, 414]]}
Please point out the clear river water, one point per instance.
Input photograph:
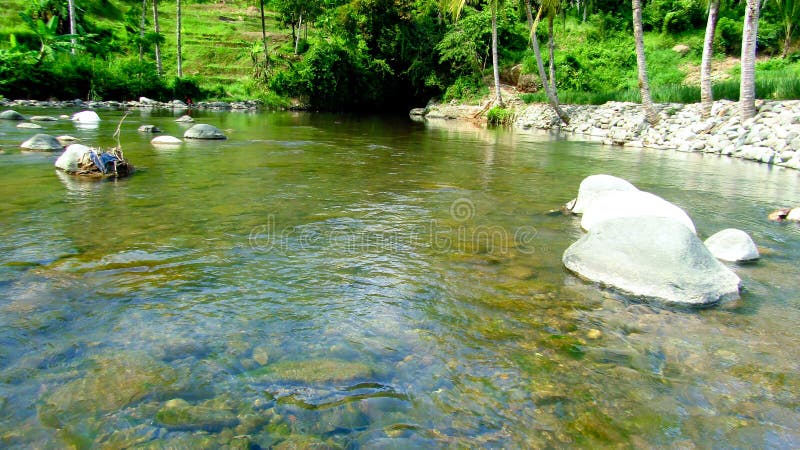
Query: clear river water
{"points": [[324, 281]]}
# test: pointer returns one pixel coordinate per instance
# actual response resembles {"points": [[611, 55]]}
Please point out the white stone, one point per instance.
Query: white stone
{"points": [[86, 117], [594, 185], [617, 204], [166, 140], [794, 215], [68, 161], [732, 245]]}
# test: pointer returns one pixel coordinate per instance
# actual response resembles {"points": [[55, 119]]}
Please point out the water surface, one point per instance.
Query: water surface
{"points": [[373, 283]]}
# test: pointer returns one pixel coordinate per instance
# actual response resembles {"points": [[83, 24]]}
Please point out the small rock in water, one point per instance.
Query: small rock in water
{"points": [[261, 355], [779, 215], [149, 129], [594, 334], [794, 215], [177, 414], [29, 125], [66, 139], [10, 114], [43, 119], [185, 118], [204, 131], [732, 245], [42, 142], [166, 140]]}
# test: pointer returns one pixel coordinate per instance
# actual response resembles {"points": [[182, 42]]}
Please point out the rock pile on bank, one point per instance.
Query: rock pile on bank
{"points": [[142, 103], [646, 247], [772, 136]]}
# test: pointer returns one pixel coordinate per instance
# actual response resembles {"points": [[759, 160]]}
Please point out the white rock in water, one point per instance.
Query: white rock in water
{"points": [[617, 204], [794, 215], [66, 139], [68, 161], [166, 140], [732, 245], [652, 258], [29, 126], [594, 185], [185, 118], [86, 117]]}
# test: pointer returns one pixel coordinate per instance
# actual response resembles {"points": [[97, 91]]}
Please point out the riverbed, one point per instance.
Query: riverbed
{"points": [[326, 280]]}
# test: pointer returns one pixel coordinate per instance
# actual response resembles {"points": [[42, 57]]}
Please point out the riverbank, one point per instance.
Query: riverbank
{"points": [[771, 137]]}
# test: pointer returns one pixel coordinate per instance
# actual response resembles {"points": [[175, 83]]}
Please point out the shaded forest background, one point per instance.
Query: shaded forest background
{"points": [[376, 55]]}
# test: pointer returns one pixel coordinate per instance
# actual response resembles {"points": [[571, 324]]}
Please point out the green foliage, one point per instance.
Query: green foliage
{"points": [[671, 16], [728, 38], [500, 116], [466, 88]]}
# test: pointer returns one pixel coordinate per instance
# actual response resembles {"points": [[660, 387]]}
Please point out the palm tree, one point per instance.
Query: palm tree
{"points": [[158, 34], [747, 87], [547, 85], [790, 13], [706, 92], [178, 36], [455, 7], [644, 86]]}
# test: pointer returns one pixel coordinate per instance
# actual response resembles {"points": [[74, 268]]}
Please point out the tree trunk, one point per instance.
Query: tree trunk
{"points": [[158, 31], [297, 39], [498, 98], [141, 30], [551, 44], [178, 37], [264, 36], [706, 90], [71, 11], [644, 85], [551, 98], [747, 88], [787, 41]]}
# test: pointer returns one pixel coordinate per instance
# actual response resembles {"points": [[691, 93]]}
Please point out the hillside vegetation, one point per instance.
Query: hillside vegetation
{"points": [[375, 54]]}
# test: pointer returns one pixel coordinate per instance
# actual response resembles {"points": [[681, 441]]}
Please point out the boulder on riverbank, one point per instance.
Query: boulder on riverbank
{"points": [[594, 185], [652, 258], [204, 131], [632, 204], [732, 245], [42, 143]]}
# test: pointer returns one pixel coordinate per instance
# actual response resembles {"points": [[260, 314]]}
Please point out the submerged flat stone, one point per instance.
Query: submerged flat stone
{"points": [[654, 258], [313, 371], [29, 126], [204, 131], [166, 140]]}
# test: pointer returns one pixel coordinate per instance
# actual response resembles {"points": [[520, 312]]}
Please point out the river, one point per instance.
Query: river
{"points": [[349, 282]]}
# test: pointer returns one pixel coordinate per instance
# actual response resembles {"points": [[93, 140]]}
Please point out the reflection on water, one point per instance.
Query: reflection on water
{"points": [[371, 283]]}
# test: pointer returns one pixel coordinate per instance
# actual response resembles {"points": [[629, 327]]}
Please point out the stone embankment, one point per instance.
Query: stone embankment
{"points": [[143, 102], [771, 137]]}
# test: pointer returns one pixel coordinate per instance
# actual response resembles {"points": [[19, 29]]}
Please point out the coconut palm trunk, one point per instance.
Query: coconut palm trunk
{"points": [[71, 11], [706, 89], [158, 32], [178, 37], [551, 97], [747, 88], [644, 85], [551, 46], [498, 97], [264, 36]]}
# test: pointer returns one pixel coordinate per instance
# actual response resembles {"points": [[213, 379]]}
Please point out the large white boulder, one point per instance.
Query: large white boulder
{"points": [[616, 204], [732, 245], [654, 258], [794, 215], [68, 161], [594, 185], [86, 117]]}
